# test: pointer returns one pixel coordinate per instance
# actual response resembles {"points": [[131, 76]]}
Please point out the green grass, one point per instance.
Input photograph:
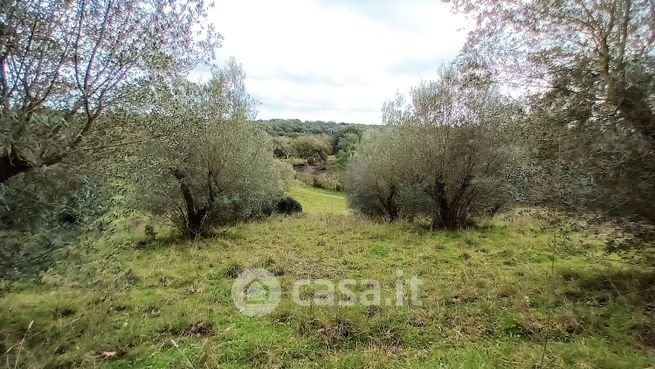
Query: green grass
{"points": [[318, 201], [489, 299]]}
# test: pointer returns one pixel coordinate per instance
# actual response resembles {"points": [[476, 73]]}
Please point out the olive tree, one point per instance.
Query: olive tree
{"points": [[283, 148], [463, 172], [227, 176], [211, 166], [588, 69], [375, 174], [447, 154], [465, 157], [66, 65]]}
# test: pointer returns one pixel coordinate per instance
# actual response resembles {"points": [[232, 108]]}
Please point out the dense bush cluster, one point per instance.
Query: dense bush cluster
{"points": [[312, 149]]}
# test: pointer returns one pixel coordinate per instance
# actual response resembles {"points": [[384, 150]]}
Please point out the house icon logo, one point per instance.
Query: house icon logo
{"points": [[256, 292]]}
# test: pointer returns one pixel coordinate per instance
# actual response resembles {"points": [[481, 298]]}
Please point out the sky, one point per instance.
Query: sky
{"points": [[335, 60]]}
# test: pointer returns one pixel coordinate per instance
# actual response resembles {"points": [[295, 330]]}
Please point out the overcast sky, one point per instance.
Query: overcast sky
{"points": [[335, 59]]}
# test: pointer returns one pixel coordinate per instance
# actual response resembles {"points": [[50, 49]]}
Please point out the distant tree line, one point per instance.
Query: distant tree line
{"points": [[296, 127], [326, 147]]}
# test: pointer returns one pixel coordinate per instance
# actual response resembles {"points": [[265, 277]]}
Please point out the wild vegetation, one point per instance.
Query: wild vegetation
{"points": [[319, 159], [211, 167], [517, 185], [447, 162], [592, 66], [493, 296]]}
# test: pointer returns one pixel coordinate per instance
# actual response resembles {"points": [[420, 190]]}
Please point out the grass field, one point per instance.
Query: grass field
{"points": [[492, 297], [318, 201]]}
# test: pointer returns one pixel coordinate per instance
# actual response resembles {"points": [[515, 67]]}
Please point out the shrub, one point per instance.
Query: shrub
{"points": [[375, 174], [288, 206], [327, 182], [285, 173], [312, 148]]}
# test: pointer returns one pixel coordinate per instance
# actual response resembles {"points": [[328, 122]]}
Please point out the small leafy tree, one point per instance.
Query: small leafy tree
{"points": [[448, 155], [375, 175], [209, 166], [463, 172], [283, 148], [345, 138], [226, 177], [345, 147], [466, 161]]}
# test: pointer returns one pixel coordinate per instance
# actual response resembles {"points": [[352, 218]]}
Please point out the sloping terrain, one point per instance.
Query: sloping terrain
{"points": [[319, 201], [491, 297]]}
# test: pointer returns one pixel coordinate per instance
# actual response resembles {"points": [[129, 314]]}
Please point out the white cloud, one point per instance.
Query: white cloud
{"points": [[335, 60]]}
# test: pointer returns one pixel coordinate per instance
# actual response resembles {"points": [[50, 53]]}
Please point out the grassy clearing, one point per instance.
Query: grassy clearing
{"points": [[489, 300], [318, 201]]}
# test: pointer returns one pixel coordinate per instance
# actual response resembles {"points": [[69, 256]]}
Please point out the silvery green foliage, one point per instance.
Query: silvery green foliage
{"points": [[377, 173], [447, 155], [587, 69], [206, 165], [36, 225], [66, 65], [530, 43], [227, 167], [74, 76]]}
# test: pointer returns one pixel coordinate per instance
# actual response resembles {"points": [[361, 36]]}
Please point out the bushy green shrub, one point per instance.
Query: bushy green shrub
{"points": [[288, 206], [228, 176], [285, 173], [314, 149], [376, 174], [327, 182]]}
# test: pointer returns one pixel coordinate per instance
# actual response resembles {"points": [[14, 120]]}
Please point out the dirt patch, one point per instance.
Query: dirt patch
{"points": [[331, 332], [233, 270], [310, 169], [196, 329], [645, 335], [309, 172]]}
